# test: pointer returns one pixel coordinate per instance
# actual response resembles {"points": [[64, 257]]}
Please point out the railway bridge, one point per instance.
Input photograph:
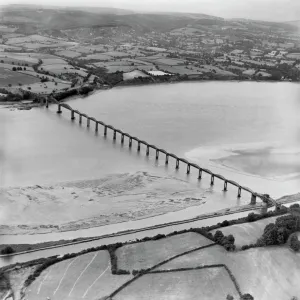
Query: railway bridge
{"points": [[158, 151]]}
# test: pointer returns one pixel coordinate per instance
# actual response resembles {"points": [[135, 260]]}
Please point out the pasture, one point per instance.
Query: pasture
{"points": [[97, 56], [247, 233], [294, 55], [169, 61], [158, 73], [181, 70], [147, 254], [68, 53], [204, 284], [87, 276], [116, 54], [134, 74], [45, 87], [252, 269], [59, 69], [8, 77]]}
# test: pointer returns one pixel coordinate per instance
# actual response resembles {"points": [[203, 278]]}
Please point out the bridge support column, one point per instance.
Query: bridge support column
{"points": [[253, 199], [47, 103], [122, 139], [130, 142], [96, 126], [167, 159], [239, 192], [200, 174], [80, 119], [157, 154], [139, 147], [177, 164], [59, 109], [225, 186], [87, 122], [188, 169], [148, 151], [72, 115], [115, 135], [105, 130], [212, 180]]}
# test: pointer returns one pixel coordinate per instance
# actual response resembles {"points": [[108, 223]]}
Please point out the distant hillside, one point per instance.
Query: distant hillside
{"points": [[36, 17], [294, 23]]}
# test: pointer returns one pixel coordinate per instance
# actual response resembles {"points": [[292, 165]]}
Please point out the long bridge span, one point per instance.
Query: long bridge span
{"points": [[158, 151]]}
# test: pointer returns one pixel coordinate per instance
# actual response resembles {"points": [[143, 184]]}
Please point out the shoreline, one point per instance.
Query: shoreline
{"points": [[24, 106]]}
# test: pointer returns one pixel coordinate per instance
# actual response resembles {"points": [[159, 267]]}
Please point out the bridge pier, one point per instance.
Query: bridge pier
{"points": [[80, 119], [177, 164], [139, 147], [122, 139], [147, 151], [87, 122], [105, 130], [59, 109], [157, 154], [188, 169], [96, 127], [130, 142], [72, 115], [47, 103], [200, 174], [239, 192], [115, 135], [212, 180], [253, 199], [167, 159], [225, 186]]}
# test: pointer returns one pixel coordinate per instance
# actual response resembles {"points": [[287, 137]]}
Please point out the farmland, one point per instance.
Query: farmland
{"points": [[247, 233], [147, 254], [84, 277], [204, 284], [8, 77], [133, 74], [252, 269]]}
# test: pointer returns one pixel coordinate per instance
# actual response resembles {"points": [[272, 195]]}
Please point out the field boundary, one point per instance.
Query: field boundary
{"points": [[144, 272], [232, 277]]}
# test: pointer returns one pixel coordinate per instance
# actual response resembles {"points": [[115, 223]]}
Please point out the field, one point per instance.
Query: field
{"points": [[84, 277], [182, 70], [147, 254], [204, 284], [68, 53], [46, 87], [97, 56], [158, 73], [61, 69], [247, 233], [14, 78], [134, 74], [116, 54], [266, 273], [294, 55], [169, 61]]}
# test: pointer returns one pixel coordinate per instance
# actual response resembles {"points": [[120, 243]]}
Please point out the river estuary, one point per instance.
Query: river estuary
{"points": [[248, 132]]}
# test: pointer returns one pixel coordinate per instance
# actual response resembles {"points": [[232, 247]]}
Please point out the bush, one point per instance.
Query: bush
{"points": [[294, 243], [7, 250]]}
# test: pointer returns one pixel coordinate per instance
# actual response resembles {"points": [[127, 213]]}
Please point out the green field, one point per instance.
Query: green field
{"points": [[14, 78], [266, 273], [204, 284], [247, 233], [85, 277], [147, 254]]}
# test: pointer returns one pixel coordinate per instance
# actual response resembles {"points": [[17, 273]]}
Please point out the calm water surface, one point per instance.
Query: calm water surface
{"points": [[39, 146]]}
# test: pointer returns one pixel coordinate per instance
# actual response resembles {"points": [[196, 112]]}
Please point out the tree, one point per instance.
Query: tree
{"points": [[14, 69], [229, 297], [294, 242], [7, 250]]}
